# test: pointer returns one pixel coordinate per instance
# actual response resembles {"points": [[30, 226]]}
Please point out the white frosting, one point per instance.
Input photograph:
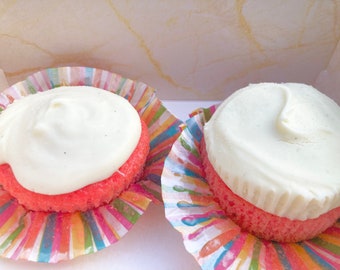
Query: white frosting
{"points": [[63, 139], [278, 147]]}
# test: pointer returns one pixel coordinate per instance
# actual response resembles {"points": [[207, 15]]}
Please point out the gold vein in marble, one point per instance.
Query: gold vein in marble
{"points": [[246, 27], [57, 59], [311, 4], [26, 42], [147, 50]]}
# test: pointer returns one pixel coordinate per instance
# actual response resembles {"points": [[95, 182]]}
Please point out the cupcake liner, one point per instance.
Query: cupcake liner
{"points": [[51, 237], [209, 235]]}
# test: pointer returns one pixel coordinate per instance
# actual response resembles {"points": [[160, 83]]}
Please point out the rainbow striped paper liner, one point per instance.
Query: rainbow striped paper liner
{"points": [[211, 237], [52, 237]]}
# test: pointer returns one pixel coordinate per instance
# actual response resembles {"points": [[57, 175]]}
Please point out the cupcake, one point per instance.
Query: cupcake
{"points": [[99, 103], [271, 157], [71, 148]]}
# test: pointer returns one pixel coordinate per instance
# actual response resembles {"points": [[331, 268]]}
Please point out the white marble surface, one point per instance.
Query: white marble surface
{"points": [[186, 49]]}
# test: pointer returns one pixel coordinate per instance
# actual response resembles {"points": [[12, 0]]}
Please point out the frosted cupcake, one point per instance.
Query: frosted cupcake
{"points": [[271, 154], [71, 148], [74, 135]]}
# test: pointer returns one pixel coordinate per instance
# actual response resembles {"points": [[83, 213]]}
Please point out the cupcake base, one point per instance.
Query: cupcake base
{"points": [[258, 222]]}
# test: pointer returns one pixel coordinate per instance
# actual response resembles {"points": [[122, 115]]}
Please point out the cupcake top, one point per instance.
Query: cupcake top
{"points": [[63, 139], [278, 147]]}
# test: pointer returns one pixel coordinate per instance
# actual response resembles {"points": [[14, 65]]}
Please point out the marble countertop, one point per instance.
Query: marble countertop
{"points": [[194, 50]]}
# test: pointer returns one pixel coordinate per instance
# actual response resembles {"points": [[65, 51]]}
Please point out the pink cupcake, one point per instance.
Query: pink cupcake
{"points": [[114, 203], [72, 148], [271, 156]]}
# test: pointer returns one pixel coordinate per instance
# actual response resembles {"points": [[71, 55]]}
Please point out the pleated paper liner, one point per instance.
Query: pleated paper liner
{"points": [[212, 238], [52, 237]]}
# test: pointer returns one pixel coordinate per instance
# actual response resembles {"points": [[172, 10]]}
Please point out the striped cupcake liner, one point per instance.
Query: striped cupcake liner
{"points": [[211, 237], [53, 237]]}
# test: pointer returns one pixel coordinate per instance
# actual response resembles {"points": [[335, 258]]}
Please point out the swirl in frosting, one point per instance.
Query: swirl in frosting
{"points": [[278, 147]]}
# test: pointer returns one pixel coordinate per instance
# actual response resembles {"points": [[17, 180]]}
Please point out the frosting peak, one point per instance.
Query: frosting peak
{"points": [[300, 121], [281, 139]]}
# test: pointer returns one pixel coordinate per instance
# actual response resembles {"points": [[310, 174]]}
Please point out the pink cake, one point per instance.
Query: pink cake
{"points": [[270, 154], [87, 197], [259, 222]]}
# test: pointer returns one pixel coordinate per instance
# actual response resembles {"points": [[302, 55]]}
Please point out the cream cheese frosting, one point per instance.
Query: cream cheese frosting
{"points": [[278, 147], [63, 139]]}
